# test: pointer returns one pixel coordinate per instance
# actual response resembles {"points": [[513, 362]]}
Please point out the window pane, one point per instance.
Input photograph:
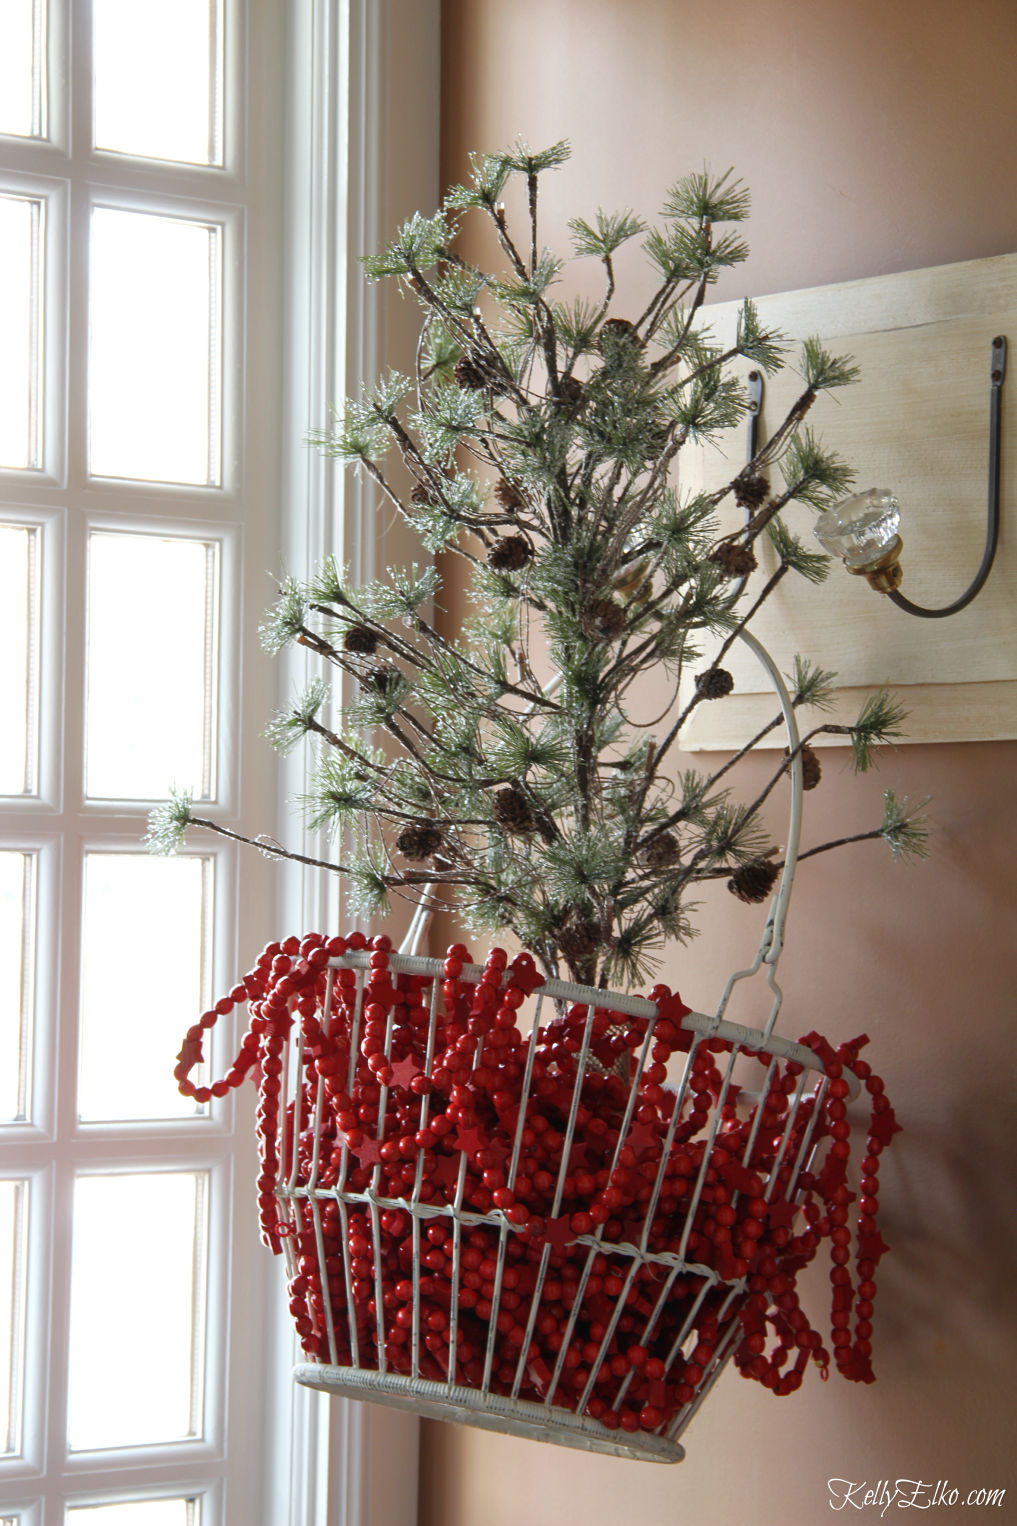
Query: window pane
{"points": [[154, 361], [17, 963], [145, 980], [153, 614], [22, 73], [13, 1268], [138, 1277], [19, 642], [157, 79], [20, 330], [178, 1512]]}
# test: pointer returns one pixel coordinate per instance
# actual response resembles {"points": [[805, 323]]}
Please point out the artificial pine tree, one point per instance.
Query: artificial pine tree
{"points": [[540, 438]]}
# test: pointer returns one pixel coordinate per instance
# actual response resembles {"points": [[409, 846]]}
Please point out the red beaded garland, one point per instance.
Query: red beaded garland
{"points": [[541, 1259]]}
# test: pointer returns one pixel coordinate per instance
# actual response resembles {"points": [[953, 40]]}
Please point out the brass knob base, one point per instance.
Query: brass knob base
{"points": [[885, 574]]}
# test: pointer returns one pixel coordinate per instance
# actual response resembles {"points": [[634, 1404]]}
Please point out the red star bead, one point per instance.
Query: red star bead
{"points": [[556, 1232], [579, 1156], [728, 1268], [673, 1008], [642, 1137], [368, 1153], [752, 1320], [832, 1176], [871, 1247], [884, 1126], [781, 1214], [446, 1171], [524, 975], [471, 1141], [190, 1052], [403, 1071], [738, 1177]]}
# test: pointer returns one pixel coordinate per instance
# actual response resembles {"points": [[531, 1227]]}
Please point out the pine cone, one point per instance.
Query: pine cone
{"points": [[468, 373], [512, 810], [750, 491], [661, 851], [572, 392], [578, 938], [420, 840], [617, 336], [360, 638], [736, 560], [509, 553], [420, 494], [714, 683], [382, 680], [602, 620], [753, 882], [811, 770], [509, 496]]}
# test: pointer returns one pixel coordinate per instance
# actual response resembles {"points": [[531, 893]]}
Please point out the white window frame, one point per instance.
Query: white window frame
{"points": [[242, 513], [362, 155], [362, 120]]}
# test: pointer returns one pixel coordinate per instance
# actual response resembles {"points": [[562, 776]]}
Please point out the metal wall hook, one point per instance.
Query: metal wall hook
{"points": [[755, 391], [884, 571], [997, 374]]}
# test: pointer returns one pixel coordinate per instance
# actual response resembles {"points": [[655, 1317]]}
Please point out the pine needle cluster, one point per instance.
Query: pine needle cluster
{"points": [[539, 437]]}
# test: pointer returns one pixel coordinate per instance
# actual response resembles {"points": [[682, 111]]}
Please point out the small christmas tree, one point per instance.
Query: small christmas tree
{"points": [[539, 438]]}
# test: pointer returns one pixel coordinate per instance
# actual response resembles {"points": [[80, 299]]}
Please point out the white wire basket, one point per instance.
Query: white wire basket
{"points": [[339, 1237], [600, 1331]]}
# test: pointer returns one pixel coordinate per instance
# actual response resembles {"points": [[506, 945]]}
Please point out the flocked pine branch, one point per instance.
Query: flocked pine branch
{"points": [[536, 441]]}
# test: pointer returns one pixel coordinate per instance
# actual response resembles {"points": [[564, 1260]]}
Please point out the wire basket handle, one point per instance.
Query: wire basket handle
{"points": [[771, 943]]}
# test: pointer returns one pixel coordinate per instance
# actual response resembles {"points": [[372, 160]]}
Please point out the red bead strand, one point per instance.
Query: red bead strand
{"points": [[462, 1137]]}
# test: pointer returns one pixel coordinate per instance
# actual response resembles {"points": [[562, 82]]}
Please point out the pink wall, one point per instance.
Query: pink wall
{"points": [[875, 137]]}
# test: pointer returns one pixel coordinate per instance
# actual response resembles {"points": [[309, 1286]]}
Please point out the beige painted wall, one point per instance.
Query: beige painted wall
{"points": [[875, 138]]}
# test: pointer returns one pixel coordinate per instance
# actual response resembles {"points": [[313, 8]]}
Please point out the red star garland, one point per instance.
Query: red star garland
{"points": [[832, 1176], [673, 1009], [190, 1053], [579, 1156], [883, 1126], [820, 1047], [403, 1072], [509, 1118], [850, 1051], [286, 994], [471, 1141], [781, 1214], [727, 1267], [642, 1137], [524, 975], [446, 1171], [752, 1320], [871, 1247], [740, 1178], [368, 1153], [556, 1232]]}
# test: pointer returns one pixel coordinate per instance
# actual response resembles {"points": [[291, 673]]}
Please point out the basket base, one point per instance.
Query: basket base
{"points": [[491, 1412]]}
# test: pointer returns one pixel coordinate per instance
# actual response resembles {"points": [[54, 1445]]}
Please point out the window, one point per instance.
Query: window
{"points": [[140, 399]]}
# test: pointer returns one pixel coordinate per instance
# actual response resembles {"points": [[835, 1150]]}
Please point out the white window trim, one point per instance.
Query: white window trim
{"points": [[362, 155], [64, 501]]}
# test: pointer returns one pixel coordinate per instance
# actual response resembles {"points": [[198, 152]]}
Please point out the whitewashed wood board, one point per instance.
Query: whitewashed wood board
{"points": [[916, 422]]}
